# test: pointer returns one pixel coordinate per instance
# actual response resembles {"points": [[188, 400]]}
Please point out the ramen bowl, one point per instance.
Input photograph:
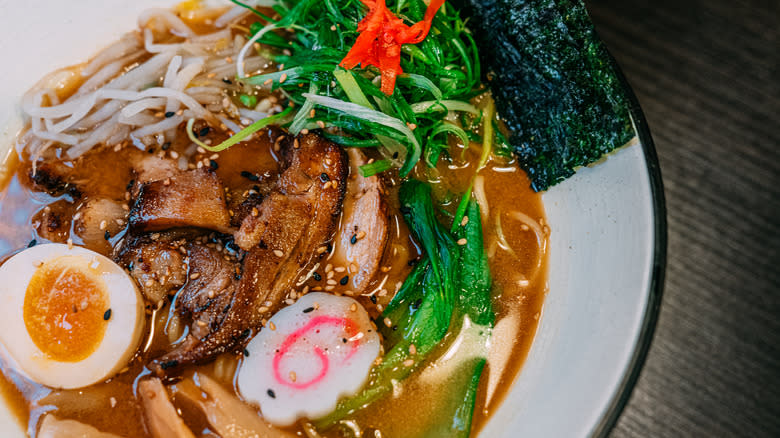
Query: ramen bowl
{"points": [[607, 244]]}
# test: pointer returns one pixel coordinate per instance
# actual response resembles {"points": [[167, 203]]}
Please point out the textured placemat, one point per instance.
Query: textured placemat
{"points": [[707, 76]]}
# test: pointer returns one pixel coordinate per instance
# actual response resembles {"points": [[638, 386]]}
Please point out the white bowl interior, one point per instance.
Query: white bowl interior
{"points": [[601, 244]]}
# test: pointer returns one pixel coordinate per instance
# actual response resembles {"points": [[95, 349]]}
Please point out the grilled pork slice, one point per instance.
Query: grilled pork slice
{"points": [[99, 219], [55, 178], [207, 295], [195, 198], [292, 227], [363, 234], [156, 264]]}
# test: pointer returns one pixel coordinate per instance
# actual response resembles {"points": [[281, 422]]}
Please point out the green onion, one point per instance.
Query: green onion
{"points": [[421, 82], [487, 147], [372, 169], [248, 101], [369, 115], [240, 135], [441, 75], [351, 88], [444, 105]]}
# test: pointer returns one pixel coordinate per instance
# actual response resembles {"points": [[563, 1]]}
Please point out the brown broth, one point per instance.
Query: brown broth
{"points": [[520, 282]]}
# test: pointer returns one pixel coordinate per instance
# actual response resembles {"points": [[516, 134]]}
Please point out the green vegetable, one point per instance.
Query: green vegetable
{"points": [[554, 82], [372, 169], [248, 101], [441, 74], [240, 135], [448, 290]]}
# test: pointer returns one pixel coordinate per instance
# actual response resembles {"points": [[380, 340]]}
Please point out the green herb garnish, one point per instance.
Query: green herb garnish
{"points": [[441, 74]]}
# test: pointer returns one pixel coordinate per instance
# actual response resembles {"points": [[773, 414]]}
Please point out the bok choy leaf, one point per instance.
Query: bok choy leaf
{"points": [[448, 290]]}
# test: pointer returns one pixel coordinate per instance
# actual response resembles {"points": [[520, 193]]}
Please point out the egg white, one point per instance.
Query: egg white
{"points": [[123, 330]]}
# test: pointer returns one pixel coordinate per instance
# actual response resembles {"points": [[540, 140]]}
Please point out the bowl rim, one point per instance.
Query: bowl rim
{"points": [[633, 370]]}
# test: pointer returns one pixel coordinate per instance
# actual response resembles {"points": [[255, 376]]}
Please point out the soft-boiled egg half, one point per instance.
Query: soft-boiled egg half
{"points": [[69, 317], [308, 356]]}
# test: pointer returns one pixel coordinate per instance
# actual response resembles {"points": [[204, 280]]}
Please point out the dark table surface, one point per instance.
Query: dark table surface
{"points": [[707, 75]]}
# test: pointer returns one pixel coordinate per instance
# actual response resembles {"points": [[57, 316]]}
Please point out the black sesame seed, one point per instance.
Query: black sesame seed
{"points": [[316, 276], [344, 340], [169, 364], [416, 304], [107, 315], [395, 327], [130, 184], [271, 393], [246, 352], [204, 131], [245, 333], [166, 146], [213, 164], [330, 247], [395, 154], [344, 280], [227, 81], [150, 150], [169, 114], [107, 235], [308, 309], [324, 177], [250, 176], [32, 243], [373, 299], [353, 239]]}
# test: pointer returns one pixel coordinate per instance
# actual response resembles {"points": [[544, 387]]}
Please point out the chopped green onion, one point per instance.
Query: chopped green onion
{"points": [[372, 169], [369, 115], [446, 105], [351, 87], [421, 82], [248, 100], [453, 129], [238, 136], [303, 114], [487, 147]]}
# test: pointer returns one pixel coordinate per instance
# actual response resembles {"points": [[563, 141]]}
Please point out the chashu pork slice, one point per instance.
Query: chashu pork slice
{"points": [[195, 198], [363, 234], [292, 227]]}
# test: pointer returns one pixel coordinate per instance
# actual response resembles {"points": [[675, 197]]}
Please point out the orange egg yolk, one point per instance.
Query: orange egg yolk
{"points": [[65, 309]]}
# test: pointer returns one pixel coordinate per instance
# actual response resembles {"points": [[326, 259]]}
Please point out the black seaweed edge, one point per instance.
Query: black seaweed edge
{"points": [[632, 372]]}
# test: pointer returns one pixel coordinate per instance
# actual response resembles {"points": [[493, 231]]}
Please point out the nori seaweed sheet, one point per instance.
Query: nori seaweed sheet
{"points": [[554, 83]]}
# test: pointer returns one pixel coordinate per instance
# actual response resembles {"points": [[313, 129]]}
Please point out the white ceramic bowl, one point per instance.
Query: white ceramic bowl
{"points": [[608, 242]]}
